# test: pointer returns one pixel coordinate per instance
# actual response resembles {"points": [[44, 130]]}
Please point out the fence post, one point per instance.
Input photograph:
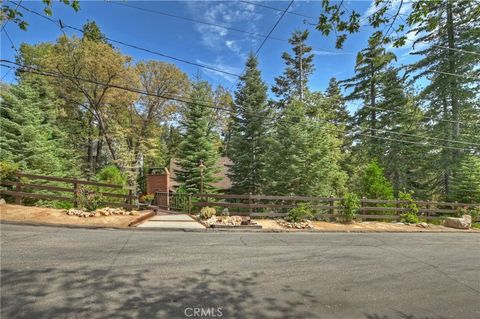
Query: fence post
{"points": [[362, 204], [250, 204], [427, 213], [75, 194], [331, 203], [397, 211], [130, 197], [18, 188], [189, 208]]}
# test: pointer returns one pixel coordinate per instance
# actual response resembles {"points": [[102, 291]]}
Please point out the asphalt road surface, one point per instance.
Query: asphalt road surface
{"points": [[49, 272]]}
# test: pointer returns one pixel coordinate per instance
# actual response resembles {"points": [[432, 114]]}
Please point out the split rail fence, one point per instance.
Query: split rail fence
{"points": [[325, 207], [21, 188]]}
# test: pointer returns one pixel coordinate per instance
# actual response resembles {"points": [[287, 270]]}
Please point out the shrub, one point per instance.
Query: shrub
{"points": [[89, 199], [474, 212], [112, 175], [460, 211], [148, 198], [374, 184], [207, 212], [301, 211], [409, 218], [7, 170], [351, 204], [411, 213]]}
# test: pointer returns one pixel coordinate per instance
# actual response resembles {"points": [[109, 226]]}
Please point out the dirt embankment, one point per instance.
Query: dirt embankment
{"points": [[18, 213], [364, 227]]}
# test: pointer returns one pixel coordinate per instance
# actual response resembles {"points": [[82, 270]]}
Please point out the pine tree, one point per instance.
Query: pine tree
{"points": [[335, 109], [400, 118], [293, 82], [304, 157], [249, 143], [371, 64], [197, 143], [30, 135], [466, 181], [451, 30]]}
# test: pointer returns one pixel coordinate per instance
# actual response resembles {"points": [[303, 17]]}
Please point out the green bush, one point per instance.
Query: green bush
{"points": [[410, 214], [460, 211], [374, 184], [474, 212], [8, 170], [112, 175], [148, 198], [89, 199], [409, 218], [301, 211], [351, 204], [207, 212]]}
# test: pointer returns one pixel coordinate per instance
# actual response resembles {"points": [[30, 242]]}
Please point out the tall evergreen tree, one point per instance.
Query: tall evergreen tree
{"points": [[299, 67], [249, 143], [197, 144], [371, 64], [30, 135], [334, 107], [304, 156], [451, 30], [466, 182]]}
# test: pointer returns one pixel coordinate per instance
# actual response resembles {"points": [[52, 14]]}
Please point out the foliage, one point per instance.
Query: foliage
{"points": [[410, 214], [15, 13], [197, 146], [148, 198], [351, 204], [465, 185], [112, 175], [249, 144], [30, 136], [8, 170], [293, 83], [304, 156], [373, 183], [207, 212], [301, 211], [89, 198]]}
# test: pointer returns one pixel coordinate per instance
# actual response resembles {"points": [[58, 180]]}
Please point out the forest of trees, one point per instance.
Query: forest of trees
{"points": [[80, 106]]}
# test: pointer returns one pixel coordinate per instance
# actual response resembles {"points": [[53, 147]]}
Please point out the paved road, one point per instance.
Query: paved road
{"points": [[78, 273]]}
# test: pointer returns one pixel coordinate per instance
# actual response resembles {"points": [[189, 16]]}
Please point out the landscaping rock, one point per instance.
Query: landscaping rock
{"points": [[304, 224], [2, 201], [465, 222], [423, 225]]}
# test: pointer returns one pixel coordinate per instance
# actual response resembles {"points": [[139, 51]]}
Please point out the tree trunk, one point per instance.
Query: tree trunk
{"points": [[452, 70]]}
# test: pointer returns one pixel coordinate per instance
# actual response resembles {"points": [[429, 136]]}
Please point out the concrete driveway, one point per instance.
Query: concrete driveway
{"points": [[78, 273]]}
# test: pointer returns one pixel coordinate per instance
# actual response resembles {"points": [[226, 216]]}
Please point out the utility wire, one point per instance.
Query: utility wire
{"points": [[10, 40], [279, 10], [62, 25], [217, 25], [22, 68], [265, 40]]}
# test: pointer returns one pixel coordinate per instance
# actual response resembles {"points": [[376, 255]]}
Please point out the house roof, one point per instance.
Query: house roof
{"points": [[223, 163]]}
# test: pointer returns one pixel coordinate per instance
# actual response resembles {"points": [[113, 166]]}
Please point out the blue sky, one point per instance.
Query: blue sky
{"points": [[215, 47]]}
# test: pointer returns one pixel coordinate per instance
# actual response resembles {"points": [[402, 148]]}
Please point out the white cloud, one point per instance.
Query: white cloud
{"points": [[218, 64], [229, 14]]}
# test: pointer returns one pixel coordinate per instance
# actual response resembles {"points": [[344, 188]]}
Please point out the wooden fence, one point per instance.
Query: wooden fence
{"points": [[326, 207], [19, 190]]}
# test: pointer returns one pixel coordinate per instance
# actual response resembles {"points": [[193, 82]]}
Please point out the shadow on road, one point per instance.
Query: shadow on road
{"points": [[400, 315], [124, 293]]}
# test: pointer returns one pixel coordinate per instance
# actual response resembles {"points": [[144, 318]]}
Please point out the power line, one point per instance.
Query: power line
{"points": [[215, 25], [279, 10], [62, 25], [266, 38], [22, 68], [10, 40]]}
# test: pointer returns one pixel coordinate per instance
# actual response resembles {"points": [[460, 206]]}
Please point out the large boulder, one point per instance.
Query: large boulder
{"points": [[2, 201], [465, 222]]}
